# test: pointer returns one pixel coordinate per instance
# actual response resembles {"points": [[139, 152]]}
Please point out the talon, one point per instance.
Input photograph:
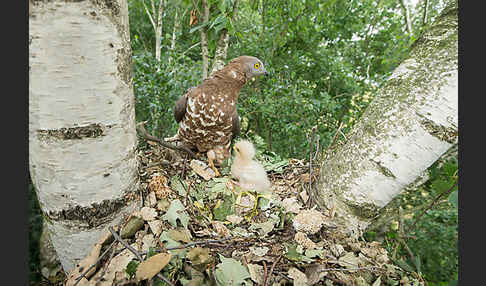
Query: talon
{"points": [[211, 156]]}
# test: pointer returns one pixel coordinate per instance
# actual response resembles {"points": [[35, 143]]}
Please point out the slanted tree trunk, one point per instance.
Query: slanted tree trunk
{"points": [[222, 46], [204, 40], [82, 138], [411, 122], [156, 20]]}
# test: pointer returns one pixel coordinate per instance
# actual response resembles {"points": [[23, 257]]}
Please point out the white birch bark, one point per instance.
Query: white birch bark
{"points": [[156, 24], [411, 122], [406, 14], [204, 40], [82, 138]]}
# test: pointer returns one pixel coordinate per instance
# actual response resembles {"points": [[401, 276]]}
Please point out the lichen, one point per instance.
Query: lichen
{"points": [[74, 133], [95, 214]]}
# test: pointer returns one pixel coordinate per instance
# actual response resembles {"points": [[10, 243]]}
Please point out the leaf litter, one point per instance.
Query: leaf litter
{"points": [[193, 231]]}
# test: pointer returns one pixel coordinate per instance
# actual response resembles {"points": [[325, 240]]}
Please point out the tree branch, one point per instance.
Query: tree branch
{"points": [[147, 136], [148, 13]]}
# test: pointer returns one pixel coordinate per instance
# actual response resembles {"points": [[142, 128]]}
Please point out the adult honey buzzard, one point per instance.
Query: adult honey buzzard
{"points": [[207, 115]]}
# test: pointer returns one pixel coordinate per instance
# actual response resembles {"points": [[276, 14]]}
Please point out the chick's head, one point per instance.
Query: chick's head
{"points": [[244, 149]]}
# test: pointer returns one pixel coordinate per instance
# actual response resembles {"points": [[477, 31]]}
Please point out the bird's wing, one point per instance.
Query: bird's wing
{"points": [[180, 108], [236, 124]]}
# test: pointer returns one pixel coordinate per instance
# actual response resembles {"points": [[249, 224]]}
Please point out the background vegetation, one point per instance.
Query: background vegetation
{"points": [[325, 58]]}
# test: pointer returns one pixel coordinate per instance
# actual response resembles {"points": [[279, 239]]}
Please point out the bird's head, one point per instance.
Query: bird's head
{"points": [[244, 149], [251, 66]]}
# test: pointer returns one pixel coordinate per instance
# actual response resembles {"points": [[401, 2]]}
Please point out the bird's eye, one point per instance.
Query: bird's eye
{"points": [[257, 66]]}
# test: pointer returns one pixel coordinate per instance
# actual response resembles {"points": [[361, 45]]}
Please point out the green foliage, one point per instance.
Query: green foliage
{"points": [[131, 268], [35, 231], [434, 239], [157, 91], [326, 60]]}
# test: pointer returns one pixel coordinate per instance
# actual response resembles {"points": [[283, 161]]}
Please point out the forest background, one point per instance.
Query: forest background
{"points": [[326, 60]]}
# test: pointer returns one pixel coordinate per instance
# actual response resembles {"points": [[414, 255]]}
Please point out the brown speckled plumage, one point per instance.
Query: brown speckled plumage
{"points": [[207, 114]]}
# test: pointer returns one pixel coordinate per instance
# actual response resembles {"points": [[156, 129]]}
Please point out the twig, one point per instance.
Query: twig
{"points": [[139, 257], [94, 264], [349, 269], [117, 237], [190, 48], [108, 261], [191, 244], [264, 273], [314, 129], [336, 134], [271, 268], [146, 135], [431, 205]]}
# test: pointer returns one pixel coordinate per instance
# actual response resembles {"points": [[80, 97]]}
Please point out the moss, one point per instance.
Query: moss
{"points": [[442, 133]]}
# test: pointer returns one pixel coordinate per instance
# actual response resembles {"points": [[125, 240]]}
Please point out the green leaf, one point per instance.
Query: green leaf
{"points": [[176, 211], [454, 198], [218, 20], [131, 268], [197, 27], [404, 265], [230, 272], [224, 209]]}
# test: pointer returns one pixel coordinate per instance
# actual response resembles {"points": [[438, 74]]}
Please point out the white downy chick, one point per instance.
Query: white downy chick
{"points": [[250, 173]]}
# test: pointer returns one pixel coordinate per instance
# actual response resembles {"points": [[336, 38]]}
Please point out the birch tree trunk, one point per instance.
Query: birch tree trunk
{"points": [[222, 46], [411, 122], [204, 40], [82, 138], [406, 14], [156, 21]]}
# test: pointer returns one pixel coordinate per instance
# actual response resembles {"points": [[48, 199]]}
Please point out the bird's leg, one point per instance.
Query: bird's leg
{"points": [[211, 156]]}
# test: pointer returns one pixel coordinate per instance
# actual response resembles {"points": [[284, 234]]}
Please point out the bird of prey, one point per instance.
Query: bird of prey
{"points": [[207, 115], [250, 173]]}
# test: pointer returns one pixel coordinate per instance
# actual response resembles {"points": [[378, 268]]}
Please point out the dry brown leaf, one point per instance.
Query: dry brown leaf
{"points": [[155, 227], [117, 264], [148, 214], [199, 255], [203, 170], [183, 235], [256, 273], [193, 20], [221, 229], [153, 265], [299, 278], [89, 260]]}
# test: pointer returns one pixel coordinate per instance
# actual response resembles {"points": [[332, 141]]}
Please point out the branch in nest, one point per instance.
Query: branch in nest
{"points": [[139, 257], [147, 136]]}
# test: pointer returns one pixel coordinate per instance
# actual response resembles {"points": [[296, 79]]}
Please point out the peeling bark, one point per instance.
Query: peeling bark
{"points": [[82, 138], [411, 122]]}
